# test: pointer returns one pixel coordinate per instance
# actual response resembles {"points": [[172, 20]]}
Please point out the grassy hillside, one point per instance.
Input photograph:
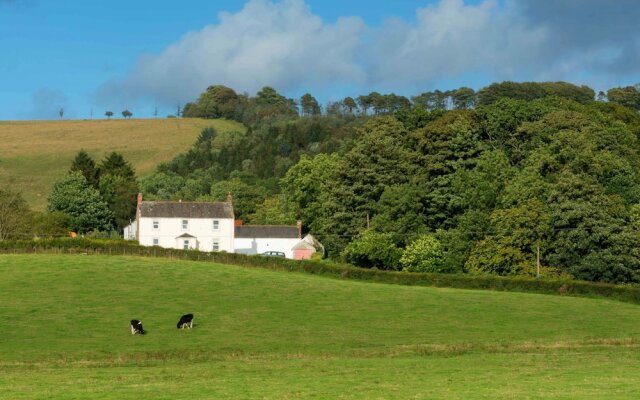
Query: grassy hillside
{"points": [[34, 154], [265, 334]]}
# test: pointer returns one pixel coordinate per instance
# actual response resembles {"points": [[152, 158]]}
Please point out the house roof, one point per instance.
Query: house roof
{"points": [[266, 231], [185, 209]]}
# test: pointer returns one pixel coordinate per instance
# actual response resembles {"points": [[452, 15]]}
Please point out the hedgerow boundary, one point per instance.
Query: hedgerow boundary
{"points": [[629, 294]]}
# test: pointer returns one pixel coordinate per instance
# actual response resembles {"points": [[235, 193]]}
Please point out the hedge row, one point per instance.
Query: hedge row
{"points": [[330, 269]]}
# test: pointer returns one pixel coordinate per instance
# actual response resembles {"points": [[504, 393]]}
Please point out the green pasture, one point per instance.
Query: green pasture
{"points": [[35, 154], [64, 333]]}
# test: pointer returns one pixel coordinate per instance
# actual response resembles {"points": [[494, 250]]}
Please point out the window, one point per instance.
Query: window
{"points": [[216, 225], [156, 224], [186, 245], [185, 224], [216, 245], [155, 241]]}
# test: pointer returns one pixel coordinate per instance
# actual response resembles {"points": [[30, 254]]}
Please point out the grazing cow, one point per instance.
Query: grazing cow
{"points": [[186, 321], [136, 327]]}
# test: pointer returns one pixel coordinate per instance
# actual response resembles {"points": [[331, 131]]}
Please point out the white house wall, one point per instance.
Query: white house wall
{"points": [[260, 245], [129, 232], [202, 228]]}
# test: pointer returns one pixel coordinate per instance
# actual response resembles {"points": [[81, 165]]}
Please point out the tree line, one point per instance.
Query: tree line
{"points": [[480, 184], [219, 101]]}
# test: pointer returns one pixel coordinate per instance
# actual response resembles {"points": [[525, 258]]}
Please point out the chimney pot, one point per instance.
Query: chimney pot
{"points": [[139, 198]]}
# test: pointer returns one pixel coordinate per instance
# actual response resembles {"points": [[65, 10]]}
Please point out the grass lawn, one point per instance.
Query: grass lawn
{"points": [[34, 154], [265, 334]]}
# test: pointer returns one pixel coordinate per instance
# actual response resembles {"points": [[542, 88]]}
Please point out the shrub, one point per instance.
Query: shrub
{"points": [[423, 255], [373, 249]]}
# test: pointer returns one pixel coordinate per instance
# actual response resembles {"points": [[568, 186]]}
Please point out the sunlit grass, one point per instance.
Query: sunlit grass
{"points": [[34, 154], [268, 334]]}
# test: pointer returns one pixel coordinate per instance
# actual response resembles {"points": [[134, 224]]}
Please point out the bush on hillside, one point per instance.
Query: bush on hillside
{"points": [[423, 255], [373, 249]]}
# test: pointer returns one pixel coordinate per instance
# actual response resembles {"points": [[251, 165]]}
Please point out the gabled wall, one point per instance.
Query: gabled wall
{"points": [[202, 228]]}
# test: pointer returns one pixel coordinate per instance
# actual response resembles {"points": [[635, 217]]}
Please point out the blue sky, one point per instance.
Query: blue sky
{"points": [[86, 56]]}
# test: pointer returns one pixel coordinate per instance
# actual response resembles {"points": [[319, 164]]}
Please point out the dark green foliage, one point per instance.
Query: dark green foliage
{"points": [[85, 164], [463, 98], [373, 249], [534, 90], [162, 185], [627, 96], [309, 105], [417, 117], [261, 155], [119, 188], [115, 164], [49, 224], [511, 248], [502, 125], [350, 104], [216, 102], [402, 212], [246, 197], [305, 187], [378, 159], [435, 100], [493, 175], [14, 215], [273, 211], [73, 196], [120, 194], [191, 110]]}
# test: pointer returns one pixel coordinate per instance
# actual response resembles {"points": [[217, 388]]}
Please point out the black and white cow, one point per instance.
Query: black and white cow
{"points": [[186, 321], [136, 327]]}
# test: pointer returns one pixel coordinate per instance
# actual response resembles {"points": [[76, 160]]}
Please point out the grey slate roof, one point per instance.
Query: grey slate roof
{"points": [[266, 231], [184, 209]]}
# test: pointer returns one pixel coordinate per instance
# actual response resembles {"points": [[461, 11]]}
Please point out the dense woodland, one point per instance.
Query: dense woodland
{"points": [[456, 181]]}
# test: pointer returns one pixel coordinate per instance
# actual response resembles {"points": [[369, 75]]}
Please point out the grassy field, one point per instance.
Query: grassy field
{"points": [[267, 334], [34, 154]]}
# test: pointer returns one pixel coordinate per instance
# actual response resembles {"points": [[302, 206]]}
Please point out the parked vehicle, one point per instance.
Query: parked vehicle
{"points": [[273, 254]]}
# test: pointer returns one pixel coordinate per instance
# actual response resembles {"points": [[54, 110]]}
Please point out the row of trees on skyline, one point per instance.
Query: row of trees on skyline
{"points": [[125, 114], [219, 101]]}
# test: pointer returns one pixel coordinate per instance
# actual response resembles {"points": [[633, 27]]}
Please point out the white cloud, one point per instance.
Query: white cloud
{"points": [[277, 44], [450, 39], [283, 44]]}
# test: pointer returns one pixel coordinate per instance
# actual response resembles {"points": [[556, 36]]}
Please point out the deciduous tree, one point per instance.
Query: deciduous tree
{"points": [[73, 196]]}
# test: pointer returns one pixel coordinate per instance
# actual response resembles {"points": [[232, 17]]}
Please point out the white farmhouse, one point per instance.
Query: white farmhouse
{"points": [[202, 226], [210, 226], [258, 239]]}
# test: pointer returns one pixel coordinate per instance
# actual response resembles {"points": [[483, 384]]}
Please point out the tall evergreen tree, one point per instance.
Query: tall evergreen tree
{"points": [[119, 188], [85, 165]]}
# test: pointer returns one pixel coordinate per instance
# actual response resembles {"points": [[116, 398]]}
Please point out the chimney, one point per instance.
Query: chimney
{"points": [[229, 198], [299, 226], [139, 198], [238, 222]]}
